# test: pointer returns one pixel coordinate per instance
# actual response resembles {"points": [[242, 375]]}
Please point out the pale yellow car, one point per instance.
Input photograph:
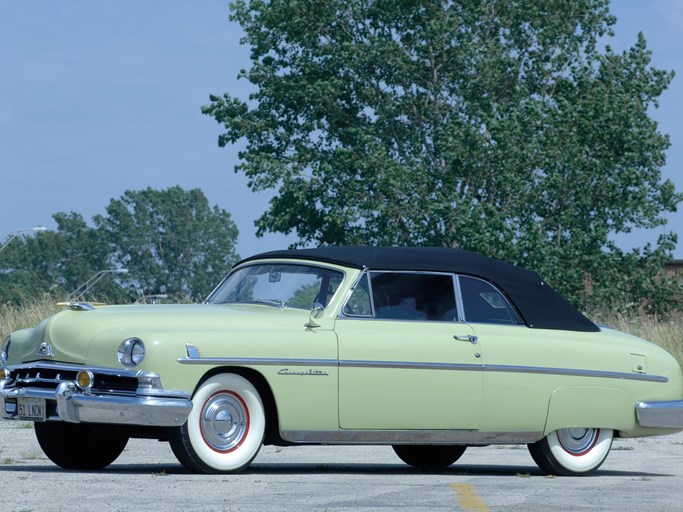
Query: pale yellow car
{"points": [[428, 350]]}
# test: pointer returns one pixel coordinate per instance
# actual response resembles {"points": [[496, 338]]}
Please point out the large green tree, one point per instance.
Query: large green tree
{"points": [[496, 126]]}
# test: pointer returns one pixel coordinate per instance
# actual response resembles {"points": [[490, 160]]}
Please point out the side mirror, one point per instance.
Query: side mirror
{"points": [[316, 312]]}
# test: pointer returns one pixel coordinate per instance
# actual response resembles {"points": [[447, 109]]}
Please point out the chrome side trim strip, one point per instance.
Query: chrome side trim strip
{"points": [[249, 361], [412, 365], [574, 372], [406, 365], [666, 414], [469, 437]]}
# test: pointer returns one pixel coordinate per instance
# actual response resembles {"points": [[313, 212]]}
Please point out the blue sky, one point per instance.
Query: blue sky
{"points": [[101, 97]]}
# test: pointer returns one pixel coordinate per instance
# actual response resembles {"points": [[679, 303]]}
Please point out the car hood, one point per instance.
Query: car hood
{"points": [[69, 336]]}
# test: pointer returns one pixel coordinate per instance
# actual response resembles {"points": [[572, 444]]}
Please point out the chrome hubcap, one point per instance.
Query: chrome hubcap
{"points": [[224, 421], [578, 441]]}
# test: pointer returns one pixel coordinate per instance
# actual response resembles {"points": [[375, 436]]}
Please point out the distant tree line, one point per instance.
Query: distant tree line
{"points": [[171, 242]]}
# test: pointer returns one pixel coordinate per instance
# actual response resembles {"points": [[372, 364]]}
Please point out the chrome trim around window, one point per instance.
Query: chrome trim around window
{"points": [[460, 308], [466, 437], [286, 262], [349, 293]]}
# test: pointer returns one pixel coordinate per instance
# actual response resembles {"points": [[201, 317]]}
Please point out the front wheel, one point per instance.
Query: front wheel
{"points": [[225, 429], [572, 451], [80, 445], [429, 457]]}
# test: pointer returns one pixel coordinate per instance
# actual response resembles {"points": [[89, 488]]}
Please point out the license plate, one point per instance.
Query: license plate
{"points": [[31, 409]]}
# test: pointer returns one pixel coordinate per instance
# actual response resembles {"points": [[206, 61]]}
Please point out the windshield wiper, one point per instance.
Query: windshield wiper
{"points": [[271, 302]]}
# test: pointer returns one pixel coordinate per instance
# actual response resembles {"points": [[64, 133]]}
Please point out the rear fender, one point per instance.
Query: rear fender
{"points": [[584, 406]]}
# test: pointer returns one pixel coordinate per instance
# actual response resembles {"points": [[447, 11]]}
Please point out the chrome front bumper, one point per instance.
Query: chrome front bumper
{"points": [[667, 414], [149, 405]]}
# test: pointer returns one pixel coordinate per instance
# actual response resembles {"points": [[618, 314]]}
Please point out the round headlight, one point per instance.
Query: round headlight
{"points": [[131, 352], [4, 354]]}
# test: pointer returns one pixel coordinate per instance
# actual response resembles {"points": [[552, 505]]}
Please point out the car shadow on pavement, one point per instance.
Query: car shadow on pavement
{"points": [[321, 468]]}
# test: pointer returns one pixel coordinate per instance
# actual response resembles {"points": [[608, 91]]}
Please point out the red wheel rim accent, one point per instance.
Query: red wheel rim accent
{"points": [[584, 451], [242, 436]]}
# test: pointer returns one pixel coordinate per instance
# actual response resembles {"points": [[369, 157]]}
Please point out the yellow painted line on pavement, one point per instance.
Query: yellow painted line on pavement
{"points": [[468, 499]]}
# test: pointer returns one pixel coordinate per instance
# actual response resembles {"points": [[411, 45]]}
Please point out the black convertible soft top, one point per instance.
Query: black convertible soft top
{"points": [[539, 305]]}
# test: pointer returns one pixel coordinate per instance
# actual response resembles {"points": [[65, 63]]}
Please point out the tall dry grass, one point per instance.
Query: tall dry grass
{"points": [[668, 333], [28, 314]]}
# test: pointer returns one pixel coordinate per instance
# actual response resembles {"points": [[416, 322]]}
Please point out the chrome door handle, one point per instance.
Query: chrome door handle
{"points": [[466, 337]]}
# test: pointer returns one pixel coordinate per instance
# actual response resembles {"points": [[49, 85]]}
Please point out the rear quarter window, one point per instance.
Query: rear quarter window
{"points": [[484, 303]]}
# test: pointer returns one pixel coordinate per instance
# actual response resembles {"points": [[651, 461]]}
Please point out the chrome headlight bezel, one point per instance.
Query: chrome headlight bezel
{"points": [[131, 352], [4, 353]]}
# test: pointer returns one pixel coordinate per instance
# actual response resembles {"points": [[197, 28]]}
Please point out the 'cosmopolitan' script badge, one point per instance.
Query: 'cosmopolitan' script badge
{"points": [[307, 373]]}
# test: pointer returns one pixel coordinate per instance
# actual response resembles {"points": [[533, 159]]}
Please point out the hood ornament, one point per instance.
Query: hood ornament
{"points": [[45, 350]]}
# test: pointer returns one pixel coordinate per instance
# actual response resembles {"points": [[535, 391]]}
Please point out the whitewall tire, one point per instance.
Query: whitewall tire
{"points": [[225, 429], [572, 451]]}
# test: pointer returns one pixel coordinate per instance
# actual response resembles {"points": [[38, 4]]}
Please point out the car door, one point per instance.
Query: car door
{"points": [[514, 397], [405, 361]]}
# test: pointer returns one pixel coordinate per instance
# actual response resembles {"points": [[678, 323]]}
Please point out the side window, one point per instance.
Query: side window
{"points": [[483, 303], [359, 302], [418, 296]]}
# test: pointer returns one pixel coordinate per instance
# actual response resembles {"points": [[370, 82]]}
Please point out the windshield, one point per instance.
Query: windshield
{"points": [[280, 285]]}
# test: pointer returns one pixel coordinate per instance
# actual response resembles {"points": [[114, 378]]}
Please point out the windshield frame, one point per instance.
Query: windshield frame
{"points": [[273, 302]]}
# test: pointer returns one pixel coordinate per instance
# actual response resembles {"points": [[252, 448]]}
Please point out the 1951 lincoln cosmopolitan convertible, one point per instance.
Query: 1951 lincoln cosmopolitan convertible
{"points": [[428, 350]]}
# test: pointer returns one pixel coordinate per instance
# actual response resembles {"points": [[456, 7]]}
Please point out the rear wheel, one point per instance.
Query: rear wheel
{"points": [[572, 451], [224, 431], [429, 457], [80, 445]]}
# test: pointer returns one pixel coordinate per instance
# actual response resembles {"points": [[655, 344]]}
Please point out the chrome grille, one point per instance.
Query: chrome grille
{"points": [[42, 377], [50, 378]]}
